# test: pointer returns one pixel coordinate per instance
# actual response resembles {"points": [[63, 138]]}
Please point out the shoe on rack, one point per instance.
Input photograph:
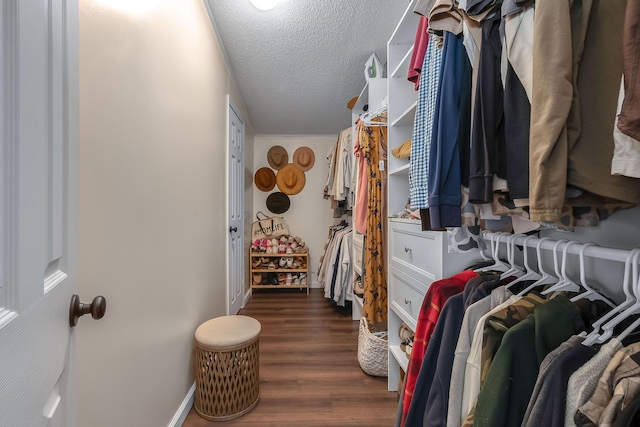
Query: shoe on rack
{"points": [[257, 278], [257, 262], [289, 249], [289, 262], [282, 262], [282, 278], [289, 279], [296, 280], [263, 245], [271, 265], [303, 279], [255, 246]]}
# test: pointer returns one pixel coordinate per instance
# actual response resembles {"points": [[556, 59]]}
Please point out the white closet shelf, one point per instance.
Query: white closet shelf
{"points": [[407, 117], [405, 31], [403, 67], [400, 356], [363, 98], [404, 220], [401, 170]]}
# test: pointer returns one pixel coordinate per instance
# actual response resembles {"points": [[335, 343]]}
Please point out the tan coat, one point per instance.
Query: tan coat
{"points": [[576, 75]]}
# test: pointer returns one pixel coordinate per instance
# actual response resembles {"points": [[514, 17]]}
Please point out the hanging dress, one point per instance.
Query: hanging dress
{"points": [[373, 145]]}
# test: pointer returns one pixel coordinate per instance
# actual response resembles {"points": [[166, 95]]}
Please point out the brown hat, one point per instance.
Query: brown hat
{"points": [[304, 158], [402, 151], [352, 103], [290, 179], [265, 179], [278, 202], [277, 157]]}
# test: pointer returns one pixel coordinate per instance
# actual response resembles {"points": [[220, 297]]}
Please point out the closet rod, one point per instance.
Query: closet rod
{"points": [[600, 252]]}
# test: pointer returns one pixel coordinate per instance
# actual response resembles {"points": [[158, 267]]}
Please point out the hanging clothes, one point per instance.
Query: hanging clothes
{"points": [[423, 128], [533, 369], [373, 145], [435, 298]]}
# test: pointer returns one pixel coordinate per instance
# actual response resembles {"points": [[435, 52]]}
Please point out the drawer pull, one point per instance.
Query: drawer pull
{"points": [[407, 301], [406, 249]]}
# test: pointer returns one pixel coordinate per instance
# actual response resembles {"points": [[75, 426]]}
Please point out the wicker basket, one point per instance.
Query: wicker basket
{"points": [[372, 351]]}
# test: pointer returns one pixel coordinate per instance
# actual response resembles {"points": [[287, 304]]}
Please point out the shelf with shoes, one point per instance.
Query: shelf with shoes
{"points": [[279, 263]]}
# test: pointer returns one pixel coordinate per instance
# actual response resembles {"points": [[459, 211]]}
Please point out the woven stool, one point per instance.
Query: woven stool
{"points": [[227, 367]]}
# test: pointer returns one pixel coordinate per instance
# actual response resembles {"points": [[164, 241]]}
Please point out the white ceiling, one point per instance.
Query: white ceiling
{"points": [[297, 65]]}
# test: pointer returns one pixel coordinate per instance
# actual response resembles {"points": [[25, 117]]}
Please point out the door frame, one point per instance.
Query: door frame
{"points": [[241, 268]]}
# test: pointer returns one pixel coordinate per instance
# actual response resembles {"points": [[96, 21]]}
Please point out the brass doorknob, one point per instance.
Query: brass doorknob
{"points": [[97, 308]]}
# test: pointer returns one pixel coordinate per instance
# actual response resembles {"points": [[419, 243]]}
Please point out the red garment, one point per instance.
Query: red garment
{"points": [[419, 51], [437, 294]]}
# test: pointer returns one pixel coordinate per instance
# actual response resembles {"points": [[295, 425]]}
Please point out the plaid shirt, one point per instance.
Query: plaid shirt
{"points": [[423, 127], [437, 294]]}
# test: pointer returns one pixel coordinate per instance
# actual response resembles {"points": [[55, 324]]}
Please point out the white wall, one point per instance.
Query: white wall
{"points": [[310, 215], [153, 82], [621, 231]]}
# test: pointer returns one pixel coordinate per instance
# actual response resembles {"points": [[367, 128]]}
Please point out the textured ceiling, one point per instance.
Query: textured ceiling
{"points": [[297, 65]]}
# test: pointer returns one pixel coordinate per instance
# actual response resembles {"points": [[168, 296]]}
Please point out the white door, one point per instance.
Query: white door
{"points": [[38, 211], [235, 208]]}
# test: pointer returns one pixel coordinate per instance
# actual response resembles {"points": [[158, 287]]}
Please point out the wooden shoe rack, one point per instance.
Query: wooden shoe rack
{"points": [[268, 275]]}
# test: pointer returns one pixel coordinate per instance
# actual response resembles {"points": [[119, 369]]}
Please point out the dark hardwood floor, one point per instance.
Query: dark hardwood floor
{"points": [[309, 373]]}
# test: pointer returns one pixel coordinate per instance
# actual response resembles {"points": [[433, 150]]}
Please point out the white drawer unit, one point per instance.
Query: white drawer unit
{"points": [[406, 295], [415, 250], [417, 259]]}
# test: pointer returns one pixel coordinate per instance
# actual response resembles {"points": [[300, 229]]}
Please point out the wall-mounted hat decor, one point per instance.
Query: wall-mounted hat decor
{"points": [[304, 158], [265, 179], [290, 179], [277, 157], [278, 202]]}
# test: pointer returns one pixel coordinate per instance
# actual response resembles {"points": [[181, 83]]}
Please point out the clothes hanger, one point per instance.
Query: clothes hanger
{"points": [[367, 118], [515, 269], [565, 283], [590, 294], [630, 299], [482, 254], [546, 278], [498, 264], [636, 323], [530, 273], [607, 328]]}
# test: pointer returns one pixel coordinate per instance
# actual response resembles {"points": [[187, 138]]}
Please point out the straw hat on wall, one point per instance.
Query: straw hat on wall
{"points": [[304, 158], [290, 179], [277, 157], [265, 179]]}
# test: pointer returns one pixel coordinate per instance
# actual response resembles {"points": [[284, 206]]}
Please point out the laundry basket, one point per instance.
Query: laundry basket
{"points": [[372, 351]]}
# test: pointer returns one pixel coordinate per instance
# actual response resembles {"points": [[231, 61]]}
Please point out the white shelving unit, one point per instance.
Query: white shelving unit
{"points": [[402, 105], [370, 99], [416, 258]]}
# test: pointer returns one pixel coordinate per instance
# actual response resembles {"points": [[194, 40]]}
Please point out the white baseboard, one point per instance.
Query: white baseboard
{"points": [[185, 407], [247, 295]]}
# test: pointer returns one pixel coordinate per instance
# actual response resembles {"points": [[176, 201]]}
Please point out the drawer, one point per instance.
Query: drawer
{"points": [[406, 295], [414, 249], [358, 241]]}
